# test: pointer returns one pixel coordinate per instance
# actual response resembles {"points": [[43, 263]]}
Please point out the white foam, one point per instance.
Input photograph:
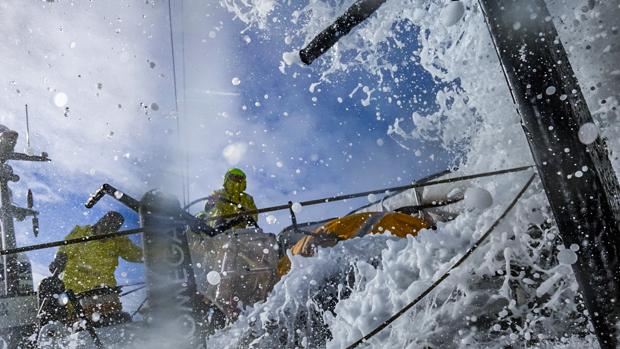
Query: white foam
{"points": [[452, 13]]}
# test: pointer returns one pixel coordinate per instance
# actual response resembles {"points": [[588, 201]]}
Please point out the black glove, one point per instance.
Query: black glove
{"points": [[58, 264]]}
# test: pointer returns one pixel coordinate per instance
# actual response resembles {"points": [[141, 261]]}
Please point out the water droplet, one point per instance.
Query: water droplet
{"points": [[60, 99], [296, 207], [271, 219], [63, 299], [588, 133], [214, 278]]}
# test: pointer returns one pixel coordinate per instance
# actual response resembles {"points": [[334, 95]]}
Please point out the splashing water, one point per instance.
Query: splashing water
{"points": [[518, 288]]}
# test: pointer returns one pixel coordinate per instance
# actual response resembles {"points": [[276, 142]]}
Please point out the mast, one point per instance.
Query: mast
{"points": [[578, 178], [9, 212]]}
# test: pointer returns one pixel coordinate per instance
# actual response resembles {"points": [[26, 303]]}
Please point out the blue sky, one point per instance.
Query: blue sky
{"points": [[294, 144], [336, 146]]}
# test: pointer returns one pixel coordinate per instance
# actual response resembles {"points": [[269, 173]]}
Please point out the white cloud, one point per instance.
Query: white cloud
{"points": [[82, 69]]}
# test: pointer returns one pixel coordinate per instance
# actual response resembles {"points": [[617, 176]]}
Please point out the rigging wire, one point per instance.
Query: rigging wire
{"points": [[132, 285], [186, 174], [132, 291], [446, 274], [176, 94], [499, 58], [139, 306], [27, 130]]}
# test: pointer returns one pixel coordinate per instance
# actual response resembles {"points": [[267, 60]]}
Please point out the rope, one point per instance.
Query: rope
{"points": [[445, 275]]}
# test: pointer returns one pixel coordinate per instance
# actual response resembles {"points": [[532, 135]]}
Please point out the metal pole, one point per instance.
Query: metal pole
{"points": [[10, 276], [579, 181], [356, 14], [175, 307]]}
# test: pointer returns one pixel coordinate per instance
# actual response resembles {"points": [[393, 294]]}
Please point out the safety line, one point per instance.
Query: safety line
{"points": [[447, 273], [267, 209], [366, 193], [70, 241]]}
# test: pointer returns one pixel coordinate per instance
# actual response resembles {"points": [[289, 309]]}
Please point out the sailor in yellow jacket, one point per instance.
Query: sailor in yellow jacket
{"points": [[230, 200], [91, 265]]}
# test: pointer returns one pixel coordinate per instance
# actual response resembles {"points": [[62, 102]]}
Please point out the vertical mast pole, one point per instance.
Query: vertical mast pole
{"points": [[8, 232], [578, 178]]}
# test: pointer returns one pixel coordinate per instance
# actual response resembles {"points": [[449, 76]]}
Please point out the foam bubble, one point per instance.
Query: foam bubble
{"points": [[477, 199], [567, 257], [452, 13]]}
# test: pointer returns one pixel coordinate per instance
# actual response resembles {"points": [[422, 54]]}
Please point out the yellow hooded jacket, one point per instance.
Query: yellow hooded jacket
{"points": [[92, 264], [230, 200]]}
